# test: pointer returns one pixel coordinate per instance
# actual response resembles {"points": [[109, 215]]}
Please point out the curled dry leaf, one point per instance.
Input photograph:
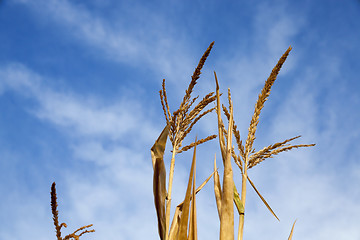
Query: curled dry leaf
{"points": [[158, 149], [159, 180], [159, 188]]}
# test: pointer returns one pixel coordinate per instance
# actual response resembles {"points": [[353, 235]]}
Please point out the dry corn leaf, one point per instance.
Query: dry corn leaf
{"points": [[198, 189], [264, 201], [292, 230], [237, 200], [159, 188], [158, 149], [227, 206], [186, 206], [174, 229], [193, 218], [220, 123], [204, 183], [159, 180], [217, 190]]}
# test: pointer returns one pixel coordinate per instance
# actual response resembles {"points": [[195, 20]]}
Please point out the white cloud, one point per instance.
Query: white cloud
{"points": [[275, 30], [18, 78], [246, 71], [121, 39], [109, 136], [76, 114]]}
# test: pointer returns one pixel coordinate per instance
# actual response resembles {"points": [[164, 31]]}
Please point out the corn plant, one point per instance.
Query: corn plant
{"points": [[178, 125]]}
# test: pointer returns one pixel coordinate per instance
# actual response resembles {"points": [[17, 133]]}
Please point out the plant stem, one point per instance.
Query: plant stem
{"points": [[168, 203], [243, 198]]}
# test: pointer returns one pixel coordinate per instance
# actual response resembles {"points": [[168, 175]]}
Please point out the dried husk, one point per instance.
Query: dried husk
{"points": [[227, 207], [159, 180]]}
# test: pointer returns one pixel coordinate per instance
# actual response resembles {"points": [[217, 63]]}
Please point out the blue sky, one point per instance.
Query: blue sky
{"points": [[79, 105]]}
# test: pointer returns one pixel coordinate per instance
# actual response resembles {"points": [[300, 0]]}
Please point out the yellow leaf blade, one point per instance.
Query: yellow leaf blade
{"points": [[204, 183], [193, 218], [292, 230], [263, 199]]}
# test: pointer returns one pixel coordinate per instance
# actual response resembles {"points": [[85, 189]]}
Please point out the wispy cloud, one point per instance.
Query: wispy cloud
{"points": [[80, 115], [93, 126], [156, 48]]}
